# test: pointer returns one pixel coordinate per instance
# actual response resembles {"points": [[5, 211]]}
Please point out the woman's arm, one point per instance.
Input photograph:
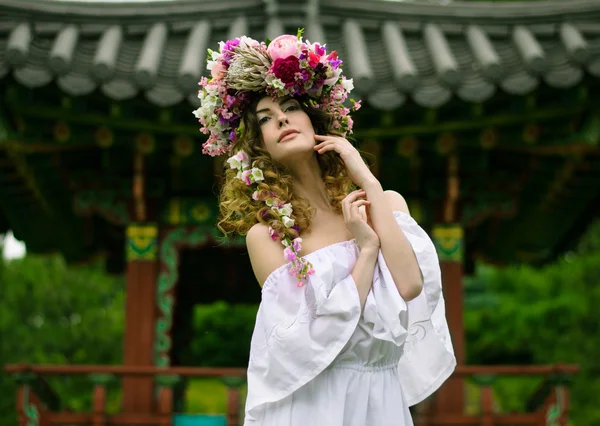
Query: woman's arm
{"points": [[395, 247]]}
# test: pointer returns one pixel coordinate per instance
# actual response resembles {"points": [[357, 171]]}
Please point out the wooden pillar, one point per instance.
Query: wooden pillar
{"points": [[142, 269], [448, 238]]}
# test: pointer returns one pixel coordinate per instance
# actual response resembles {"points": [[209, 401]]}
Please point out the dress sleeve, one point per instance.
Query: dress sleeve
{"points": [[419, 325], [300, 330]]}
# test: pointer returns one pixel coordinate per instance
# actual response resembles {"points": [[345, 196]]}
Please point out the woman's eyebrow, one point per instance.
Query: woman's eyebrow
{"points": [[281, 102]]}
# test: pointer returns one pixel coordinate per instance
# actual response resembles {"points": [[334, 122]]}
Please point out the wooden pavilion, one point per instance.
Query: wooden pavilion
{"points": [[483, 115]]}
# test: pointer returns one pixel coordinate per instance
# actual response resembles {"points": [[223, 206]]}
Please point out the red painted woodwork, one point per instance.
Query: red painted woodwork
{"points": [[450, 397], [139, 333]]}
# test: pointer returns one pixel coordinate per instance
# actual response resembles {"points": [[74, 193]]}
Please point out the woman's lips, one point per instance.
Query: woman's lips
{"points": [[288, 137]]}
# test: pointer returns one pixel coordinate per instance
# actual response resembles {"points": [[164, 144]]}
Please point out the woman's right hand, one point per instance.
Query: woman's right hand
{"points": [[366, 237]]}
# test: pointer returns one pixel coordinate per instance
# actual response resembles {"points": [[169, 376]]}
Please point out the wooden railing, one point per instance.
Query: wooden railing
{"points": [[549, 406], [32, 410]]}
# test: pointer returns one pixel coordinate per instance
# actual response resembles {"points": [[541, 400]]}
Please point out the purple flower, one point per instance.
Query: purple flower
{"points": [[335, 63], [289, 254]]}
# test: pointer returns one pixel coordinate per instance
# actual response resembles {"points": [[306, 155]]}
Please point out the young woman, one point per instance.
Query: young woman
{"points": [[351, 329]]}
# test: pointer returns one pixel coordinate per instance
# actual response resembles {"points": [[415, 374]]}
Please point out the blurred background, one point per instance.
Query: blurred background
{"points": [[120, 303]]}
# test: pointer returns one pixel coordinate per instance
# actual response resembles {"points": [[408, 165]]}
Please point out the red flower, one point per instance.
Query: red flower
{"points": [[286, 69], [313, 59]]}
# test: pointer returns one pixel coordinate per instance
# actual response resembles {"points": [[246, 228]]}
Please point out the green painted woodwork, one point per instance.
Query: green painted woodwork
{"points": [[30, 410], [142, 242], [448, 240], [488, 206], [174, 238], [590, 133], [106, 203], [145, 143], [189, 211], [554, 411]]}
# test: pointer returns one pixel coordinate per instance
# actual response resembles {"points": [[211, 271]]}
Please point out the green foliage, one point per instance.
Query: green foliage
{"points": [[208, 396], [539, 316], [54, 314], [223, 334]]}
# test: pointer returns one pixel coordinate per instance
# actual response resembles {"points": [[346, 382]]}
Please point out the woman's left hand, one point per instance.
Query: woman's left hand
{"points": [[358, 171]]}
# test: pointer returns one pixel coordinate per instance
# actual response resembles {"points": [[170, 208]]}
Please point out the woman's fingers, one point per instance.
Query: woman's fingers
{"points": [[354, 195], [356, 208], [351, 203]]}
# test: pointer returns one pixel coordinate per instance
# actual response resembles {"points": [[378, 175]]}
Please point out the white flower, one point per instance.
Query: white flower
{"points": [[247, 41], [257, 174], [348, 84], [286, 210], [288, 223], [242, 157], [234, 163]]}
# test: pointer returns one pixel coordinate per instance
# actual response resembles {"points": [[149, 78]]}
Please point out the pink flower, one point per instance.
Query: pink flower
{"points": [[300, 284], [218, 70], [289, 254], [296, 244], [246, 176], [273, 234], [283, 46], [311, 271]]}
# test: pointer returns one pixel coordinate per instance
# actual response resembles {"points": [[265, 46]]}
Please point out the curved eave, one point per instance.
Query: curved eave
{"points": [[99, 10], [465, 11], [395, 52], [455, 10]]}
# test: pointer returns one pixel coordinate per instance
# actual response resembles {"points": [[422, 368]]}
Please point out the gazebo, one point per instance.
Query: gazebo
{"points": [[481, 114]]}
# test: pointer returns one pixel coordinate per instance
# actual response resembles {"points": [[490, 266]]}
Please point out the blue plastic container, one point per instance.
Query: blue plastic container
{"points": [[199, 420]]}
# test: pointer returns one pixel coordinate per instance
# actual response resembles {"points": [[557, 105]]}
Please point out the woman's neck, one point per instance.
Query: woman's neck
{"points": [[309, 184]]}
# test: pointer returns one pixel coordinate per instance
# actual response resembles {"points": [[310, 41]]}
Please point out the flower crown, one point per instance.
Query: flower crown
{"points": [[286, 66]]}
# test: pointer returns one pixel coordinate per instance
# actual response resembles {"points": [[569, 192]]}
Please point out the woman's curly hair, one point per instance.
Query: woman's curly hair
{"points": [[239, 212]]}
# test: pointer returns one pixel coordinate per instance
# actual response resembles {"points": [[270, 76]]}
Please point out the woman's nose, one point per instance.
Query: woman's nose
{"points": [[282, 119]]}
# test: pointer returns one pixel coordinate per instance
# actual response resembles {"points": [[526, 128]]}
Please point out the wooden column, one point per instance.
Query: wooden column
{"points": [[142, 270], [448, 238]]}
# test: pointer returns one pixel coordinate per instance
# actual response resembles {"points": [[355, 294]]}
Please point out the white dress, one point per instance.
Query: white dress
{"points": [[316, 360]]}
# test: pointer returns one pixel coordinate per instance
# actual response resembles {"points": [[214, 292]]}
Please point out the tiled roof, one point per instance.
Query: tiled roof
{"points": [[395, 51]]}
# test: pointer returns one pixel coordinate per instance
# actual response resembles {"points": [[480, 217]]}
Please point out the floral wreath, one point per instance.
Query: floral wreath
{"points": [[286, 66]]}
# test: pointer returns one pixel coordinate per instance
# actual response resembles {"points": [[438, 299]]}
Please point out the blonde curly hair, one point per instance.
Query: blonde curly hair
{"points": [[239, 212]]}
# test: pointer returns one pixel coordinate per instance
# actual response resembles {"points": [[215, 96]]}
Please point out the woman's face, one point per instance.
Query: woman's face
{"points": [[285, 128]]}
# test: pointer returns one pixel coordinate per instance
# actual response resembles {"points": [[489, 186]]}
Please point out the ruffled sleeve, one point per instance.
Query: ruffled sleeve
{"points": [[300, 330], [420, 325]]}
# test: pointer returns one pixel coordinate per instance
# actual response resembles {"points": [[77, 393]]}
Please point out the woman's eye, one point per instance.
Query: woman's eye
{"points": [[292, 108], [263, 120]]}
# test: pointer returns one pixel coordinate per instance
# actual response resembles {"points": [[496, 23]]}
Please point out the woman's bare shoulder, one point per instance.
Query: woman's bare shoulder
{"points": [[265, 254]]}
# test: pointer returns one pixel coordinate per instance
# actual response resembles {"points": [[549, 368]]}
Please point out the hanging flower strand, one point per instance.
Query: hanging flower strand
{"points": [[300, 267], [286, 66]]}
